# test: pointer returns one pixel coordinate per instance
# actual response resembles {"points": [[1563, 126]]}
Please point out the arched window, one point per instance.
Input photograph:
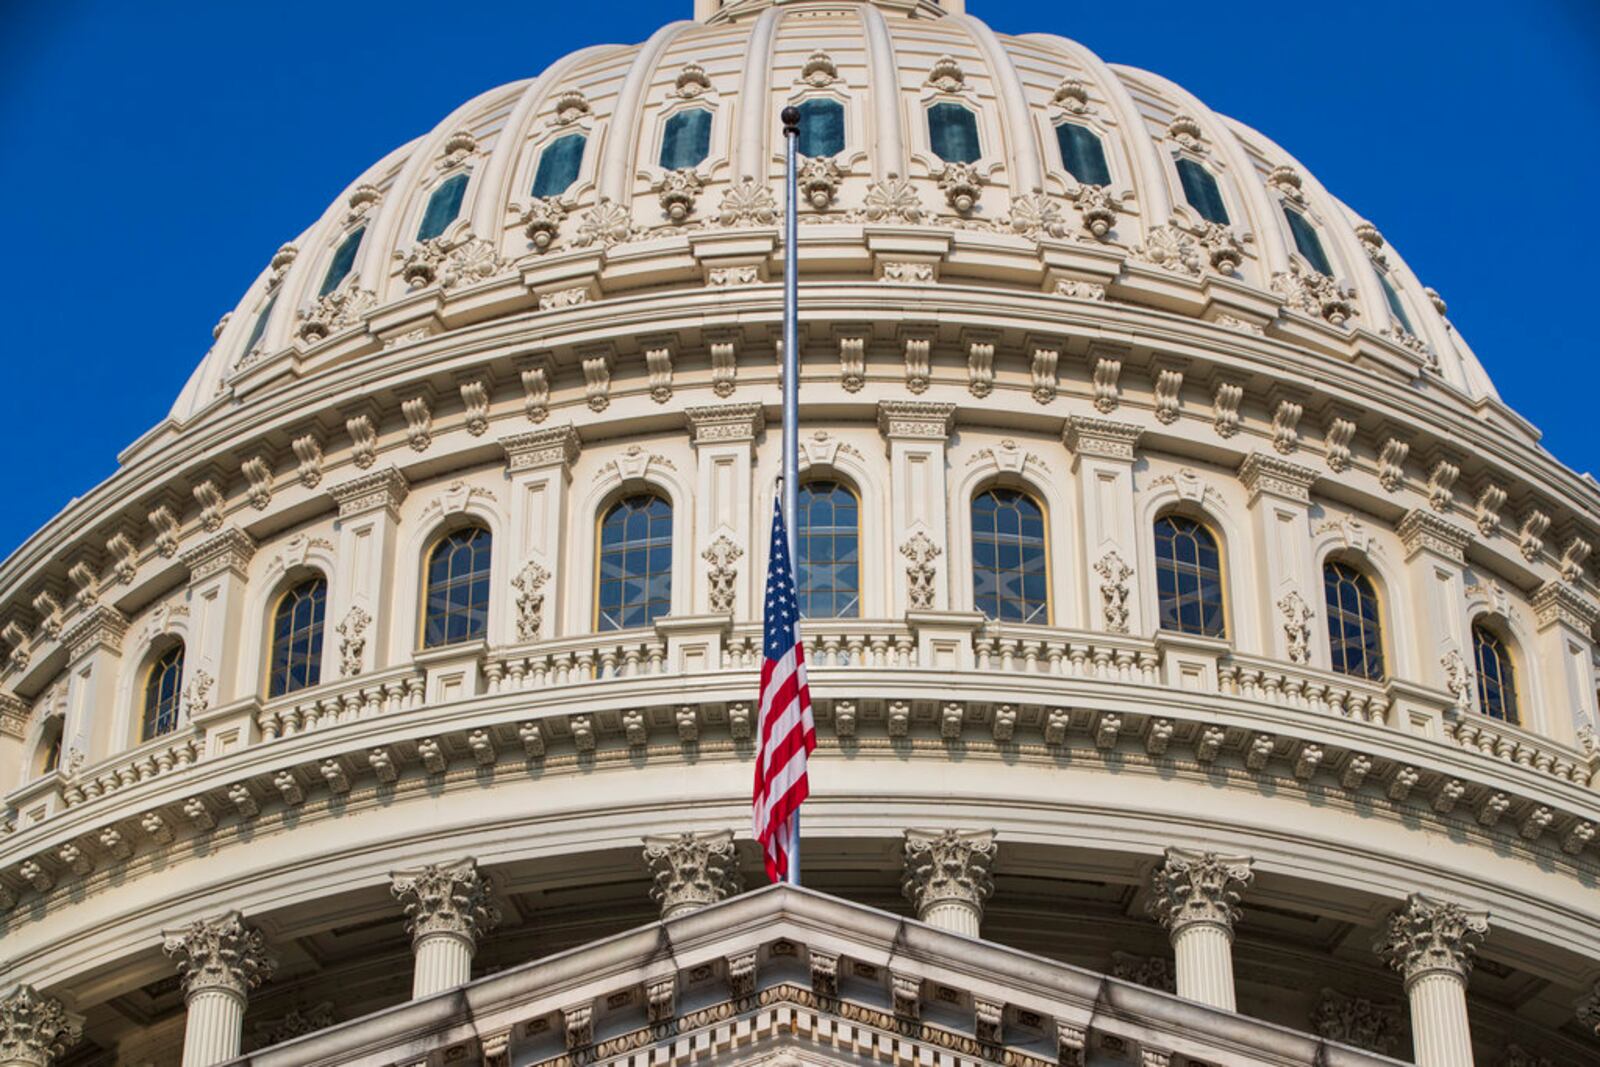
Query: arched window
{"points": [[1354, 632], [558, 165], [161, 688], [443, 207], [260, 327], [1189, 578], [1010, 574], [953, 133], [1082, 154], [457, 606], [686, 140], [1201, 190], [827, 542], [1307, 241], [635, 563], [1392, 298], [297, 638], [821, 127], [1497, 678], [343, 260]]}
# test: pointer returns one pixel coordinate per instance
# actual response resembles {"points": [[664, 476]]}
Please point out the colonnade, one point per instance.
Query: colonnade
{"points": [[948, 877]]}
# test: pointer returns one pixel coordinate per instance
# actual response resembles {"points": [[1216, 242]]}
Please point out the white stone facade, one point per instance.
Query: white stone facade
{"points": [[1067, 786]]}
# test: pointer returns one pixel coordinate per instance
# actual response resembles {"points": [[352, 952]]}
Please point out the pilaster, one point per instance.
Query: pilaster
{"points": [[692, 870], [369, 516], [1565, 619], [1435, 566], [724, 440], [447, 908], [948, 876], [221, 960], [1286, 583], [35, 1029], [918, 432], [539, 466], [217, 576], [95, 726], [1431, 943], [1195, 895], [1102, 459]]}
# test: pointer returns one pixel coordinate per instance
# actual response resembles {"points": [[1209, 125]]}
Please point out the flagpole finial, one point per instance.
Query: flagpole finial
{"points": [[791, 119]]}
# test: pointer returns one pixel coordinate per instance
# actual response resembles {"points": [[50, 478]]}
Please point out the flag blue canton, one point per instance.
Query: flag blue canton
{"points": [[783, 607]]}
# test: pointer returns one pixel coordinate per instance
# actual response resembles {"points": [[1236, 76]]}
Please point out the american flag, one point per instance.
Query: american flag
{"points": [[787, 733]]}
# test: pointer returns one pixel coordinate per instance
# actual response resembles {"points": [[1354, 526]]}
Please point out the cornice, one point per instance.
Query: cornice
{"points": [[722, 423], [229, 550], [1101, 437], [1262, 473], [552, 447], [1557, 602], [915, 420], [99, 627], [385, 488], [1423, 531]]}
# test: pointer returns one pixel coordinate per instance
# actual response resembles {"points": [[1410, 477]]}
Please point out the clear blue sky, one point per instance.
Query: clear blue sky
{"points": [[153, 154]]}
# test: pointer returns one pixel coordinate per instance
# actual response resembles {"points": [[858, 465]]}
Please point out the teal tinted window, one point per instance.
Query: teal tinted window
{"points": [[343, 260], [558, 165], [635, 563], [1306, 240], [1083, 154], [686, 141], [828, 550], [1200, 189], [1010, 575], [260, 327], [1396, 308], [443, 207], [821, 128], [953, 133], [1189, 578]]}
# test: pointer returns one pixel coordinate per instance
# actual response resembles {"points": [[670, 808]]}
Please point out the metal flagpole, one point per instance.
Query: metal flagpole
{"points": [[791, 387]]}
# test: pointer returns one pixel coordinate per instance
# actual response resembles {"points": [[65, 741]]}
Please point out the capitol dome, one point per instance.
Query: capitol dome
{"points": [[1204, 656]]}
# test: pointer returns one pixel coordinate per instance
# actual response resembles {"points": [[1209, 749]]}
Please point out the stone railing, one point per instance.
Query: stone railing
{"points": [[1303, 688], [1069, 654], [1507, 742], [150, 760], [362, 697], [572, 661]]}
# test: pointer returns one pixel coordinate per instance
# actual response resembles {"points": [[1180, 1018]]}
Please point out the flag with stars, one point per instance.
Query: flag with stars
{"points": [[786, 733]]}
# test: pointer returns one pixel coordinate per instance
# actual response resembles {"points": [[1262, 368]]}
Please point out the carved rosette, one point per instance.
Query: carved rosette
{"points": [[1199, 888], [335, 311], [220, 953], [948, 867], [692, 870], [1313, 293], [35, 1029], [920, 551], [748, 203], [446, 899], [1430, 936]]}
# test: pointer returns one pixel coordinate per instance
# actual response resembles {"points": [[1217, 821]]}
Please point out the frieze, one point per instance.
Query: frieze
{"points": [[1424, 531], [924, 420], [386, 488], [1101, 437], [1262, 473], [231, 550], [1557, 602], [555, 446], [720, 423]]}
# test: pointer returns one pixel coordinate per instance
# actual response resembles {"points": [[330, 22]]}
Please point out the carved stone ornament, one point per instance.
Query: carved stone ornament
{"points": [[948, 865], [1186, 131], [1153, 972], [947, 75], [1097, 209], [1199, 887], [818, 181], [363, 198], [960, 183], [692, 81], [1589, 1011], [1313, 293], [820, 70], [451, 262], [1296, 626], [722, 555], [457, 148], [335, 311], [35, 1029], [1072, 95], [541, 221], [1358, 1021], [220, 953], [352, 640], [447, 898], [197, 694], [1222, 248], [1430, 936], [1173, 248], [530, 583], [296, 1022], [1114, 574], [607, 223], [692, 870], [920, 552], [677, 191], [1036, 215], [748, 203], [571, 106], [892, 200]]}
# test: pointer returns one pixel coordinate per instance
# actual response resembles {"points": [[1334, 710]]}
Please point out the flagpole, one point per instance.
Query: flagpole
{"points": [[791, 386]]}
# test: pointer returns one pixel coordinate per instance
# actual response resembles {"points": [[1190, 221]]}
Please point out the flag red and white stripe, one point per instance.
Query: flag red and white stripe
{"points": [[786, 732]]}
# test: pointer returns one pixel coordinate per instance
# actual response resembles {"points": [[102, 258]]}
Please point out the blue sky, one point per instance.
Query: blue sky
{"points": [[156, 153]]}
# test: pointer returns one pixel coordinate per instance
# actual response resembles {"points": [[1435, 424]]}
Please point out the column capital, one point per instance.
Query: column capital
{"points": [[556, 446], [102, 626], [948, 866], [229, 550], [1423, 531], [716, 424], [1430, 936], [220, 953], [34, 1028], [446, 898], [692, 870], [1262, 473], [386, 488], [1558, 602], [1101, 437], [1199, 888], [915, 420]]}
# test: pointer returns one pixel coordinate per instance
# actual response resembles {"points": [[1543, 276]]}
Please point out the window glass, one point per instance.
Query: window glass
{"points": [[558, 165], [457, 605], [1201, 190], [953, 133], [297, 638], [635, 585], [161, 694], [1353, 628], [1307, 241], [1497, 680], [343, 260], [1009, 571], [260, 328], [1083, 154], [1396, 308], [821, 128], [443, 207], [686, 141], [1189, 578], [827, 540]]}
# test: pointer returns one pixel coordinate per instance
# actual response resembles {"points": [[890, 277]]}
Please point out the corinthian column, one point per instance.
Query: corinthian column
{"points": [[447, 907], [1196, 897], [692, 870], [947, 877], [1431, 942], [221, 960], [34, 1029]]}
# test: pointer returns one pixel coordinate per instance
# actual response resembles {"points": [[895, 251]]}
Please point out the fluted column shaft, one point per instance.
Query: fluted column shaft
{"points": [[1203, 954], [1195, 896], [1440, 1035], [221, 960], [1432, 943], [214, 1028], [447, 907], [947, 877], [443, 961]]}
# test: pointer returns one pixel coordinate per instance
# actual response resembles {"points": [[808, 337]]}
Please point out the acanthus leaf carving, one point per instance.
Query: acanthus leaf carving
{"points": [[335, 311], [541, 221], [1314, 293], [892, 200], [608, 223], [692, 870], [220, 953], [1097, 210], [748, 203], [363, 440], [475, 401], [1297, 616], [677, 192], [948, 866], [1432, 936], [530, 583], [1192, 888], [446, 898], [819, 180], [308, 454], [353, 641], [1114, 574], [920, 553], [35, 1029], [722, 556], [1358, 1021]]}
